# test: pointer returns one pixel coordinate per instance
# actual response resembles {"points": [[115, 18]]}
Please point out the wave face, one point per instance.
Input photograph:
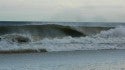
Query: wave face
{"points": [[59, 37]]}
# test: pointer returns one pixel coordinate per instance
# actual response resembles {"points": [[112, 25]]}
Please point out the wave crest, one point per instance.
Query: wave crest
{"points": [[116, 32]]}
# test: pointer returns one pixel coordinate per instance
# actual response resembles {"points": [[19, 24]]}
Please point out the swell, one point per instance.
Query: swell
{"points": [[39, 32], [86, 24], [51, 30]]}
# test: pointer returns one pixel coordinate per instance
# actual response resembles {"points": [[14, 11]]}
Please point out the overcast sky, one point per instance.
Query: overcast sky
{"points": [[63, 10]]}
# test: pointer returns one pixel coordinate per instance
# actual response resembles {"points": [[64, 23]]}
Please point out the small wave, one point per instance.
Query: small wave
{"points": [[116, 32]]}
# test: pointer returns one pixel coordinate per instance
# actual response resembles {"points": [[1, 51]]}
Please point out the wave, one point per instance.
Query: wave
{"points": [[104, 38], [41, 30], [117, 32], [51, 30]]}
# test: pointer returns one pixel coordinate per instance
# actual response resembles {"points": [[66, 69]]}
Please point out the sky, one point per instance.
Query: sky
{"points": [[63, 10]]}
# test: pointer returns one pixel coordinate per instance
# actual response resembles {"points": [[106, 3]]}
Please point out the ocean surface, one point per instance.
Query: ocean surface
{"points": [[62, 45], [21, 36], [73, 60]]}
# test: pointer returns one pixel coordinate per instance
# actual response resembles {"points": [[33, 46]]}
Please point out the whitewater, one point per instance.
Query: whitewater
{"points": [[54, 37]]}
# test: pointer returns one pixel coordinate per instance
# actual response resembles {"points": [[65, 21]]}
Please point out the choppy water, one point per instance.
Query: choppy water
{"points": [[61, 36]]}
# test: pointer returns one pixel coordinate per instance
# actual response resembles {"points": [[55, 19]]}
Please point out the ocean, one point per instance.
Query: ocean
{"points": [[26, 45], [22, 36], [68, 60]]}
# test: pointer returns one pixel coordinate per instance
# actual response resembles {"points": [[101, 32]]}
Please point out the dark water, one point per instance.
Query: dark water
{"points": [[96, 24]]}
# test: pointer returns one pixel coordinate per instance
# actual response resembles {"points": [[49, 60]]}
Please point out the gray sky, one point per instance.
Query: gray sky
{"points": [[63, 10]]}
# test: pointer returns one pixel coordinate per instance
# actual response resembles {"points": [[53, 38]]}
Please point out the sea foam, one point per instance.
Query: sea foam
{"points": [[110, 39]]}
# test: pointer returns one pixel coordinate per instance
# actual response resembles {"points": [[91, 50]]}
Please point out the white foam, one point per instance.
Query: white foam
{"points": [[117, 32], [111, 39]]}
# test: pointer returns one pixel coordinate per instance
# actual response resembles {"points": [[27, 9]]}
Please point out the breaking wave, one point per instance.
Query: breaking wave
{"points": [[62, 40]]}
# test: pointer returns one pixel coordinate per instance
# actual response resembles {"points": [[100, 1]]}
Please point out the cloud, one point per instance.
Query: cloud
{"points": [[63, 10]]}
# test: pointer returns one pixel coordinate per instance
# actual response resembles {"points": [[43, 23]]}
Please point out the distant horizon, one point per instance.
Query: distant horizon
{"points": [[65, 21]]}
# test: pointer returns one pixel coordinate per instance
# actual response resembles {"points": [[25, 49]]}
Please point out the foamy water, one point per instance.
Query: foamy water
{"points": [[109, 39]]}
